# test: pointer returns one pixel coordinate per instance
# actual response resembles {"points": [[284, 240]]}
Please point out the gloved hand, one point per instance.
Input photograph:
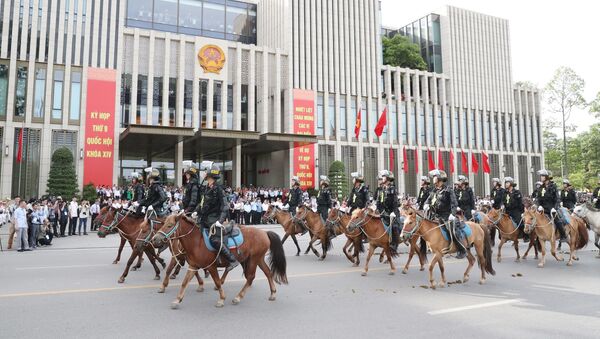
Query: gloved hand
{"points": [[595, 200], [218, 224], [540, 209], [132, 208], [451, 218], [392, 215], [553, 211], [473, 211], [426, 207], [195, 215], [150, 208], [458, 209], [135, 204]]}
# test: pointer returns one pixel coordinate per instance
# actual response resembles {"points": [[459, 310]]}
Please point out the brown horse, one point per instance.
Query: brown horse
{"points": [[417, 224], [317, 229], [545, 231], [508, 231], [128, 225], [104, 216], [251, 254], [372, 227], [415, 248], [284, 218], [339, 221]]}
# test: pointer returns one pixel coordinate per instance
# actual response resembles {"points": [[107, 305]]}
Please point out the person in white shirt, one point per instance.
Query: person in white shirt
{"points": [[21, 226], [94, 211], [83, 217], [73, 214]]}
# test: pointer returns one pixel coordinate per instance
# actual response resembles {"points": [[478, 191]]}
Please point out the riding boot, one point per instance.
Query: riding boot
{"points": [[561, 230], [233, 262], [459, 242]]}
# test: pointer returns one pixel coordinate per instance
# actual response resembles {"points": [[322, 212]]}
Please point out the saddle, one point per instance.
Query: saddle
{"points": [[232, 237]]}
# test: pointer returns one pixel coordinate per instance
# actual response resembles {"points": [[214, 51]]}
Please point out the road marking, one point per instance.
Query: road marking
{"points": [[473, 307], [564, 289], [53, 267]]}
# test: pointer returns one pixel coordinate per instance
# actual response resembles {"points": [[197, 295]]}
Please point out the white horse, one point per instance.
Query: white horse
{"points": [[591, 216]]}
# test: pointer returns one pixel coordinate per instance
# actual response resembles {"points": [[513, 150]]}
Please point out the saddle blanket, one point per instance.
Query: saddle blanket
{"points": [[477, 218], [465, 228], [565, 215], [232, 242]]}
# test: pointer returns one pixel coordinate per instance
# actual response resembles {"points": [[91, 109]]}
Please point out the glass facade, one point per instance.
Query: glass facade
{"points": [[142, 97], [203, 97], [218, 88], [157, 100], [220, 19], [188, 92], [404, 122], [331, 114], [75, 102], [57, 94], [425, 32], [3, 89], [21, 92], [320, 117], [125, 98], [39, 93], [172, 100], [393, 123], [343, 116]]}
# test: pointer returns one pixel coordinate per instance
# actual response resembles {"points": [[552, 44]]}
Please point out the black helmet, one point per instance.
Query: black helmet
{"points": [[190, 168], [214, 172]]}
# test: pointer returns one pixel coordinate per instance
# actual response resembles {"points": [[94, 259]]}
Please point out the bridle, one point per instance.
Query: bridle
{"points": [[271, 216]]}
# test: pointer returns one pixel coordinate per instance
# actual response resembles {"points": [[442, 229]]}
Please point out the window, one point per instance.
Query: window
{"points": [[331, 114], [343, 116], [440, 128], [421, 125], [354, 113], [393, 123], [21, 92], [229, 107], [172, 100], [447, 127], [237, 16], [3, 89], [412, 117], [187, 102], [364, 119], [203, 101], [494, 128], [463, 128], [244, 107], [508, 132], [57, 94], [217, 104], [142, 100], [125, 98], [39, 93], [157, 100], [165, 15], [472, 137], [320, 122], [75, 107], [431, 123], [456, 128], [190, 17], [213, 19], [488, 132], [373, 117], [403, 122], [139, 13]]}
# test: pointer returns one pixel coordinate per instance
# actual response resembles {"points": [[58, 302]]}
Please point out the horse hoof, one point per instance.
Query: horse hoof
{"points": [[364, 274], [442, 285], [272, 298], [173, 277], [298, 254], [404, 271], [200, 289], [220, 304], [482, 281], [422, 269], [115, 262], [540, 265], [517, 260], [161, 290], [157, 277], [598, 256], [321, 259], [174, 305], [524, 258], [134, 268], [570, 263], [499, 259], [465, 279], [392, 273], [235, 300], [355, 265], [121, 280], [561, 259], [433, 286]]}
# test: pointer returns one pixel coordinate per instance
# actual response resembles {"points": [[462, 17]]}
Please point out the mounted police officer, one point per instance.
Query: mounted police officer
{"points": [[137, 188], [212, 212], [156, 197], [294, 196], [497, 194], [380, 194], [465, 197], [443, 204], [567, 196], [423, 192], [513, 205], [548, 201], [359, 196], [390, 205], [536, 191], [596, 195], [324, 201], [191, 197]]}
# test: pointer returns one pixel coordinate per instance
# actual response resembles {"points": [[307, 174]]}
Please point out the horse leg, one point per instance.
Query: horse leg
{"points": [[597, 243], [434, 260], [310, 245], [471, 260], [553, 250], [121, 245], [177, 269], [369, 255], [440, 263], [200, 282], [188, 276], [387, 251], [152, 257], [295, 243], [493, 235], [265, 268], [215, 277], [324, 246], [543, 259], [482, 261], [516, 244], [531, 244], [250, 273], [411, 252], [502, 241], [572, 246], [345, 250], [165, 282], [132, 257]]}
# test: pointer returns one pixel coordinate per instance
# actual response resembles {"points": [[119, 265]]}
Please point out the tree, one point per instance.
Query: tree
{"points": [[565, 92], [595, 106], [89, 192], [399, 51], [337, 179], [62, 179]]}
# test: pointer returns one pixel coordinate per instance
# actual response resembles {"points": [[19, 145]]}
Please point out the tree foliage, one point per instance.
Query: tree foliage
{"points": [[337, 179], [595, 106], [62, 179], [89, 192], [399, 51]]}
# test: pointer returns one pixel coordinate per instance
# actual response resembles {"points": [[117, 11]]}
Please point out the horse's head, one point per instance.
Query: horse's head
{"points": [[492, 217], [269, 215], [108, 220], [145, 233], [357, 218], [167, 230], [333, 217], [102, 214], [581, 210], [530, 219], [411, 223]]}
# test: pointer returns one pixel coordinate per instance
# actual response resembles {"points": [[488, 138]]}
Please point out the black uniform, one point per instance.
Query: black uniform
{"points": [[390, 205], [379, 199], [423, 196], [191, 196], [595, 195], [359, 197], [548, 198], [213, 207], [498, 197], [442, 202], [294, 199], [513, 205], [535, 193], [466, 202], [156, 198], [568, 198], [324, 202], [138, 192]]}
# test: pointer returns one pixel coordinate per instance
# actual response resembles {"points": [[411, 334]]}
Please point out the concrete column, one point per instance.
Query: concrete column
{"points": [[178, 160], [237, 165]]}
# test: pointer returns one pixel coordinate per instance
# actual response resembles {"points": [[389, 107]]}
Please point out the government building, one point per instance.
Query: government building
{"points": [[269, 89]]}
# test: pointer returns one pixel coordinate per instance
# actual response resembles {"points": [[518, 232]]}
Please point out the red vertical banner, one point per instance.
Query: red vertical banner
{"points": [[20, 150], [99, 127], [440, 160], [392, 160], [404, 160], [304, 123], [474, 163], [430, 161], [451, 161]]}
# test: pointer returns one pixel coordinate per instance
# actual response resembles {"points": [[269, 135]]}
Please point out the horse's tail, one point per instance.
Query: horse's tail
{"points": [[423, 249], [358, 243], [277, 261], [487, 251], [327, 245], [583, 235]]}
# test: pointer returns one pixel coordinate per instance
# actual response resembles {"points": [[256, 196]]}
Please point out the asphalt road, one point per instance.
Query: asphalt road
{"points": [[70, 291]]}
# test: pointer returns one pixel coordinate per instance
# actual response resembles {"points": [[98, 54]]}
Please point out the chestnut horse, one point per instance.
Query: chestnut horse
{"points": [[338, 221], [545, 231], [318, 231], [250, 254], [508, 231], [128, 226], [104, 216], [417, 224], [284, 218], [377, 235]]}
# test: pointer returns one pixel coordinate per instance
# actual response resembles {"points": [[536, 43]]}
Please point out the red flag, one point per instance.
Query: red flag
{"points": [[440, 160], [416, 161], [464, 163], [358, 123], [391, 159], [474, 164], [430, 160], [405, 159], [486, 163], [20, 150], [381, 123], [451, 161]]}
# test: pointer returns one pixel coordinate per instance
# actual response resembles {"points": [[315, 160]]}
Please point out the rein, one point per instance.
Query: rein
{"points": [[362, 222]]}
